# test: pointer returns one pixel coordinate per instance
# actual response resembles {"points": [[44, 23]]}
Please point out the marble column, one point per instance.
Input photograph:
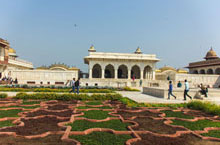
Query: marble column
{"points": [[153, 75], [142, 75], [116, 74], [129, 74], [90, 73], [103, 74]]}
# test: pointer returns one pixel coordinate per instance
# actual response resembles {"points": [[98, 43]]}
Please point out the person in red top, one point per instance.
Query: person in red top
{"points": [[133, 78]]}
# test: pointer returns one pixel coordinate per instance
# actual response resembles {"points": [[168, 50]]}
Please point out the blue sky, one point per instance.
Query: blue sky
{"points": [[44, 31]]}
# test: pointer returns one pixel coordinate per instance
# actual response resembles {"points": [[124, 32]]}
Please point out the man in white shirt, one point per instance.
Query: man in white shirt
{"points": [[186, 90], [72, 84]]}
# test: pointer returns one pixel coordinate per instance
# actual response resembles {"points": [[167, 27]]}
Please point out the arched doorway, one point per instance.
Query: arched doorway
{"points": [[136, 72], [210, 71], [217, 71], [122, 72], [147, 72], [202, 71], [96, 71], [195, 72], [109, 71]]}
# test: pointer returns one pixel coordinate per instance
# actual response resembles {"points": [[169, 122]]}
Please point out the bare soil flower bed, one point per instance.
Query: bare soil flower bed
{"points": [[186, 139], [156, 126], [36, 126], [127, 115], [58, 107], [67, 113]]}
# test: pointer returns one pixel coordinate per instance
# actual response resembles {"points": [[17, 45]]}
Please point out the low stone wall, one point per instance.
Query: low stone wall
{"points": [[163, 93]]}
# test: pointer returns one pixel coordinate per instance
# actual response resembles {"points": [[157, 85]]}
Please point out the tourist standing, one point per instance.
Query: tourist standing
{"points": [[77, 83], [170, 91], [72, 84], [186, 90], [203, 90], [179, 85], [141, 82]]}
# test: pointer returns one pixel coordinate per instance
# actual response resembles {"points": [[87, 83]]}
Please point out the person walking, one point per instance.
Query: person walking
{"points": [[186, 90], [72, 84], [77, 84], [170, 91]]}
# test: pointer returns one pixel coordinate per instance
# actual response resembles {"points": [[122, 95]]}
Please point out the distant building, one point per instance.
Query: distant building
{"points": [[211, 64], [11, 66]]}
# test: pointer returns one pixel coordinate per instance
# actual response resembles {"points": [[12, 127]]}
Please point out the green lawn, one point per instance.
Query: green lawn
{"points": [[197, 125], [212, 133], [102, 138], [81, 125], [6, 123], [176, 114], [25, 107], [94, 103], [89, 107], [96, 114], [9, 113], [26, 102]]}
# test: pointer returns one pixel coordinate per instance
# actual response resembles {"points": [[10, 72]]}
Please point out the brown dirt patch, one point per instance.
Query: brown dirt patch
{"points": [[199, 114], [49, 140], [127, 115], [36, 126], [186, 139], [67, 113], [156, 126], [58, 107]]}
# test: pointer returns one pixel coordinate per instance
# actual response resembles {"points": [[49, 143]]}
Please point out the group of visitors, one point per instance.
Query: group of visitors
{"points": [[75, 85], [9, 80], [203, 90]]}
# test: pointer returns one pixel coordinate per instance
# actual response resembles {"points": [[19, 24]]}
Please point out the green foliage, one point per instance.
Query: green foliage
{"points": [[67, 97], [96, 114], [197, 125], [130, 89], [25, 107], [94, 103], [212, 133], [176, 114], [205, 107], [81, 125], [6, 123], [3, 95], [9, 113], [25, 102], [88, 107], [56, 90], [102, 138]]}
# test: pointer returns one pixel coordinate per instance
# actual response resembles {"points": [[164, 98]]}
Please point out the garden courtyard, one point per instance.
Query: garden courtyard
{"points": [[110, 119]]}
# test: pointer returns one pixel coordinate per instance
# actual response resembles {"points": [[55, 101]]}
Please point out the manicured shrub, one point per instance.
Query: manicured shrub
{"points": [[3, 95], [130, 89], [206, 107]]}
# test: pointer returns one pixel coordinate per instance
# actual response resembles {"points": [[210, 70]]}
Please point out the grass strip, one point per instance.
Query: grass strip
{"points": [[81, 125], [89, 107], [197, 125], [101, 138], [212, 133], [9, 113], [96, 114], [6, 123], [25, 102], [176, 114], [94, 103], [25, 107]]}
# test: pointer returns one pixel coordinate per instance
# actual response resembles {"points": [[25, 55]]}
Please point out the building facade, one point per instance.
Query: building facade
{"points": [[115, 69], [211, 65]]}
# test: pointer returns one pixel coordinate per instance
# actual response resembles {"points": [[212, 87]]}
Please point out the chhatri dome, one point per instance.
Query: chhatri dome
{"points": [[138, 51], [211, 54], [12, 52], [92, 49]]}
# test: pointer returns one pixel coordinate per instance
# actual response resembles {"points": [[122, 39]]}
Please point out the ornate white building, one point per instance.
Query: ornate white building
{"points": [[11, 66], [119, 69]]}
